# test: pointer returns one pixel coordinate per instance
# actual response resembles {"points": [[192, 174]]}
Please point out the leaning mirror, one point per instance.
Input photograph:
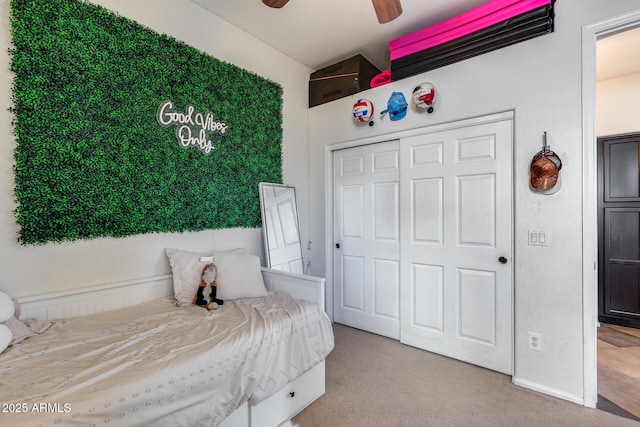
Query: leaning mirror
{"points": [[282, 246]]}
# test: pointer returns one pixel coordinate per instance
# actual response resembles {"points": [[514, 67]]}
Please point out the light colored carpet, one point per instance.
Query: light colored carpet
{"points": [[375, 381]]}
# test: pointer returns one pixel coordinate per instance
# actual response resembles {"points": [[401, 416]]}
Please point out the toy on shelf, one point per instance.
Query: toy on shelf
{"points": [[363, 111], [424, 96]]}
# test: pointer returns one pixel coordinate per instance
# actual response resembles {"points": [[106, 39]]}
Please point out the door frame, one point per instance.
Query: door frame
{"points": [[590, 34], [329, 225]]}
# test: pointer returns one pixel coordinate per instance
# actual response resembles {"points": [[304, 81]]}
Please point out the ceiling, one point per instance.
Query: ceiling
{"points": [[618, 55], [318, 33]]}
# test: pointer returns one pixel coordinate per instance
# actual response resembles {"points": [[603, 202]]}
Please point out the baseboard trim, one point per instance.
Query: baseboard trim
{"points": [[548, 390]]}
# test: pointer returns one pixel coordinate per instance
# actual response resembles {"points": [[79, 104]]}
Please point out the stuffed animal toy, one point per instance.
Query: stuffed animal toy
{"points": [[208, 279]]}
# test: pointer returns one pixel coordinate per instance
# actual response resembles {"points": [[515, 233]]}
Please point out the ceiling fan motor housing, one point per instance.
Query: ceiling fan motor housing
{"points": [[386, 10]]}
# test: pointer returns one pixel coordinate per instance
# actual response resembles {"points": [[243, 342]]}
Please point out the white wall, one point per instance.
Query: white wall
{"points": [[540, 80], [28, 270], [617, 103]]}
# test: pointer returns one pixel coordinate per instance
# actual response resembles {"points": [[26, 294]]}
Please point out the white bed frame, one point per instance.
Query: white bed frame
{"points": [[272, 411]]}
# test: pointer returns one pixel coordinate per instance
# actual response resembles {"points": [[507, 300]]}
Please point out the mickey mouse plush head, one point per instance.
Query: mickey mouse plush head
{"points": [[208, 280]]}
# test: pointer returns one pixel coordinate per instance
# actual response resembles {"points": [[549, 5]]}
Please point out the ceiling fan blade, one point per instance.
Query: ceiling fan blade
{"points": [[387, 10], [275, 3]]}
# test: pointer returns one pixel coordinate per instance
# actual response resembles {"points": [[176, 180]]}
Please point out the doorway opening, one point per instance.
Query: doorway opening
{"points": [[619, 274], [603, 365]]}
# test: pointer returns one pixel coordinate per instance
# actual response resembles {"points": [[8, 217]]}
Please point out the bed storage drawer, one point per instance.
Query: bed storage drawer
{"points": [[290, 399]]}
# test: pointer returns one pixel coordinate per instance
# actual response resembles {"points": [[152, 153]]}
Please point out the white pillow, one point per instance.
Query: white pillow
{"points": [[234, 251], [187, 269], [5, 337], [239, 275], [6, 307]]}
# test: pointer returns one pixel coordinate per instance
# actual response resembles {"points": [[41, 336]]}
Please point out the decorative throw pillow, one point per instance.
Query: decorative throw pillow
{"points": [[239, 275], [234, 251], [23, 329], [186, 268], [19, 330]]}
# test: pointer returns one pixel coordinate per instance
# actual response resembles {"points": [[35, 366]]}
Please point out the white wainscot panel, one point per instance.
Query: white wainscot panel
{"points": [[477, 148], [477, 305], [428, 296], [353, 282], [427, 214], [353, 211], [352, 166], [385, 162], [477, 210], [386, 210], [96, 299], [387, 286], [427, 155]]}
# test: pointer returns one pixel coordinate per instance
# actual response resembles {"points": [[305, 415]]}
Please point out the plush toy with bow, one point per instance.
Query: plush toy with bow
{"points": [[208, 280]]}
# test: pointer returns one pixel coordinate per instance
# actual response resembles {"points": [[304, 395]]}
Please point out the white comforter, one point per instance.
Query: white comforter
{"points": [[156, 364]]}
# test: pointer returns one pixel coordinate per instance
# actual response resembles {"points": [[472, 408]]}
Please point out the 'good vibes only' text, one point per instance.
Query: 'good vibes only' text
{"points": [[192, 126]]}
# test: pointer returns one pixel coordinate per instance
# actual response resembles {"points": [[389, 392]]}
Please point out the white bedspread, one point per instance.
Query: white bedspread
{"points": [[160, 365]]}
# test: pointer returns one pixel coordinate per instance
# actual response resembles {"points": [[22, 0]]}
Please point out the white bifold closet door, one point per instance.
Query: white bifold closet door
{"points": [[456, 234], [366, 261], [423, 233]]}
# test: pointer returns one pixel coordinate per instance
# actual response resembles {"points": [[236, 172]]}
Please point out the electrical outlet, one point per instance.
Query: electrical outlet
{"points": [[534, 341]]}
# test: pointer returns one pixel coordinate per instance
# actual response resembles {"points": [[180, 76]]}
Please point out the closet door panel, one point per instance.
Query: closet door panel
{"points": [[427, 197], [476, 210], [366, 254], [427, 296], [456, 205]]}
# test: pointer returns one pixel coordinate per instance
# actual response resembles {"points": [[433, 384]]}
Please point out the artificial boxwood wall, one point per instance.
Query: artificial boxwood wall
{"points": [[91, 158]]}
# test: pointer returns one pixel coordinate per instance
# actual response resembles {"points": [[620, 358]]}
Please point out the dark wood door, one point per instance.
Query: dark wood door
{"points": [[619, 230]]}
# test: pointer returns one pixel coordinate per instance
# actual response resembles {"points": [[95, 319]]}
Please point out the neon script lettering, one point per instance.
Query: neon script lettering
{"points": [[190, 123]]}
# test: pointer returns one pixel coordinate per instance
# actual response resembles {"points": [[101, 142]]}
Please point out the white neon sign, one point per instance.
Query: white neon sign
{"points": [[192, 126]]}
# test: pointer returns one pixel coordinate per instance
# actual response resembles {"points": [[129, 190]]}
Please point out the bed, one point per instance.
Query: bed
{"points": [[145, 361]]}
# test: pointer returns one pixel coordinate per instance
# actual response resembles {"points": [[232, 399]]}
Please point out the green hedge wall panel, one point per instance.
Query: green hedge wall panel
{"points": [[92, 160]]}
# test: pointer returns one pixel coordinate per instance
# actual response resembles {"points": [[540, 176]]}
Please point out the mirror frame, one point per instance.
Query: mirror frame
{"points": [[265, 233]]}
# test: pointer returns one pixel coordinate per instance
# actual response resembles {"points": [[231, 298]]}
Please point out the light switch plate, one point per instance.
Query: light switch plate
{"points": [[539, 237]]}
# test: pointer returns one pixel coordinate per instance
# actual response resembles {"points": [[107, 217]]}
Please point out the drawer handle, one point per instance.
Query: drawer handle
{"points": [[293, 393]]}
